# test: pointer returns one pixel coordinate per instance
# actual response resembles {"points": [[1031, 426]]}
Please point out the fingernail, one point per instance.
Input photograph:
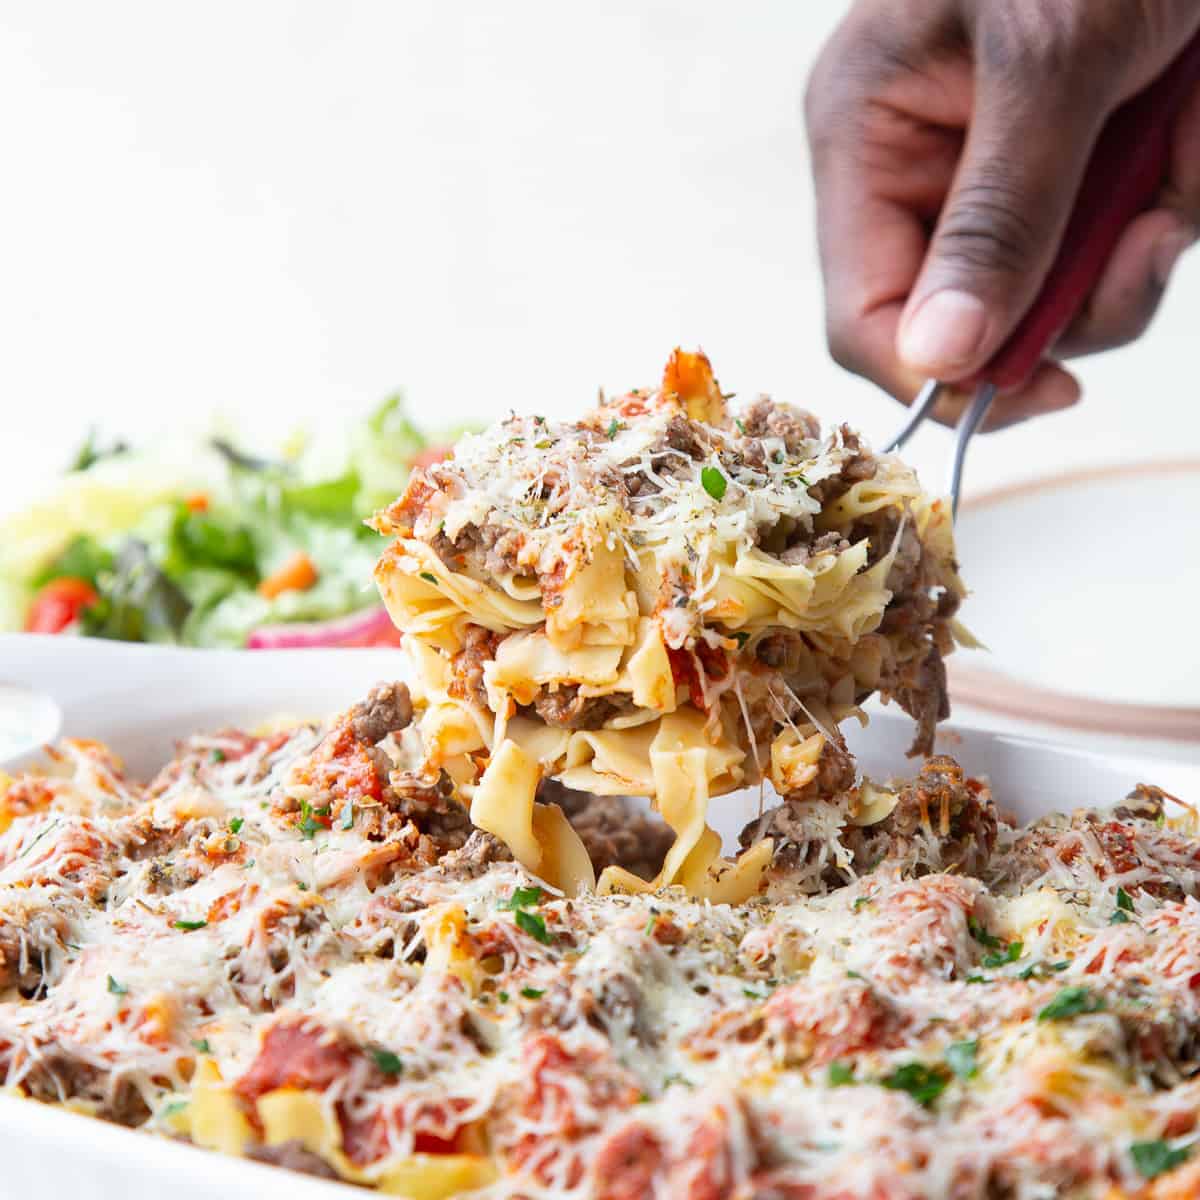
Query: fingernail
{"points": [[1167, 253], [944, 333]]}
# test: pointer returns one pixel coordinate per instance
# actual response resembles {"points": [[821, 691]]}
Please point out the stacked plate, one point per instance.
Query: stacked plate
{"points": [[1085, 589]]}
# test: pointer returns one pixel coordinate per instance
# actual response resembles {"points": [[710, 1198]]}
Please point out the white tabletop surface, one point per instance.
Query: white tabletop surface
{"points": [[284, 210]]}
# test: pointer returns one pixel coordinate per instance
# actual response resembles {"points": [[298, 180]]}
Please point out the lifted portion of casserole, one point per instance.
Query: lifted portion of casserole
{"points": [[669, 598]]}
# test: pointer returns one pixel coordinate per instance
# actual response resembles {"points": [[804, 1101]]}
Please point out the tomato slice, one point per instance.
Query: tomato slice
{"points": [[58, 604]]}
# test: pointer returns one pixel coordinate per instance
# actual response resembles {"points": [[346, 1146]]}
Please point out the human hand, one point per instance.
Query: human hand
{"points": [[949, 140]]}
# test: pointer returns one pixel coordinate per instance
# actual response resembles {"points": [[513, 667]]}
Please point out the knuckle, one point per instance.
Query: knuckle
{"points": [[866, 53], [1068, 49], [988, 226]]}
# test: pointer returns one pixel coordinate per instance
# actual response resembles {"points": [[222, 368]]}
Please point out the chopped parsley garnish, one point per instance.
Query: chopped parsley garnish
{"points": [[982, 936], [668, 1080], [1071, 1002], [201, 1045], [861, 900], [1124, 908], [522, 897], [740, 427], [855, 975], [533, 993], [1039, 970], [977, 979], [502, 997], [1157, 1158], [962, 1058], [841, 1075], [614, 427], [302, 886], [650, 924], [751, 994], [741, 637], [714, 482], [188, 926], [308, 824], [117, 989], [534, 925], [348, 816], [1001, 958], [386, 1061], [425, 575], [216, 756], [923, 1083], [235, 826]]}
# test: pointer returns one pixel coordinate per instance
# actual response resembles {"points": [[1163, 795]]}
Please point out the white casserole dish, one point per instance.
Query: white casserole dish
{"points": [[140, 698]]}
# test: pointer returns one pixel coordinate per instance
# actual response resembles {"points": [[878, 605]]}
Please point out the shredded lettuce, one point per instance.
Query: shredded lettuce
{"points": [[176, 539]]}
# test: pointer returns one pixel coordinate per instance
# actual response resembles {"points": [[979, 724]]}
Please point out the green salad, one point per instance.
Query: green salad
{"points": [[207, 545]]}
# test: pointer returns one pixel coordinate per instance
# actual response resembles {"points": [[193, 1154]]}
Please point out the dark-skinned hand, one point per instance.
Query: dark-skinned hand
{"points": [[949, 139]]}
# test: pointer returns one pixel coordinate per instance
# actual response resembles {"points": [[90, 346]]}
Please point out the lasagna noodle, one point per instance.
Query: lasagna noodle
{"points": [[427, 600], [291, 1116], [594, 606], [539, 836]]}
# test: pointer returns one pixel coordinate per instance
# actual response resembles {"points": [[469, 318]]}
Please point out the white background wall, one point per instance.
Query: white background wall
{"points": [[281, 209]]}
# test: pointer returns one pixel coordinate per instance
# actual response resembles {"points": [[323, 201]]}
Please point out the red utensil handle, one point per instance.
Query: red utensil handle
{"points": [[1123, 179]]}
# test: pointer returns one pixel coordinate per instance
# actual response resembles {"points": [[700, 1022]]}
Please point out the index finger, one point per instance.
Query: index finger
{"points": [[874, 218], [871, 250]]}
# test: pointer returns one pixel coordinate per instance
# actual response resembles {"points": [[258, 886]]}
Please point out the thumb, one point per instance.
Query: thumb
{"points": [[1001, 226]]}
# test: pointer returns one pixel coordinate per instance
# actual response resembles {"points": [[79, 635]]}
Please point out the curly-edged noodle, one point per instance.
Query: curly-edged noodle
{"points": [[565, 861], [610, 762], [795, 760], [527, 662], [503, 802], [704, 874], [540, 837], [647, 675], [708, 876], [291, 1116], [427, 600], [718, 581], [215, 1119], [448, 949], [622, 762], [593, 606], [449, 729]]}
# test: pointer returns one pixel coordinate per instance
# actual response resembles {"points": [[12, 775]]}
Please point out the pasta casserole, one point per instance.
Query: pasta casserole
{"points": [[292, 946], [478, 938]]}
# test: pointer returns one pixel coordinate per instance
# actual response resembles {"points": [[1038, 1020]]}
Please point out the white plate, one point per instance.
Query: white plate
{"points": [[1084, 589], [140, 699]]}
